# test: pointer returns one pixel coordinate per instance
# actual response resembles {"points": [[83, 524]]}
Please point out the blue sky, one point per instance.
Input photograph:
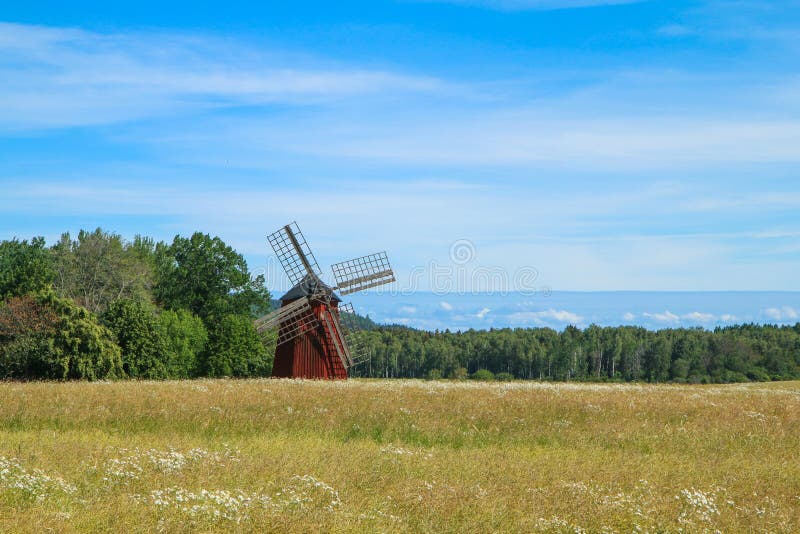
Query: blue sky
{"points": [[609, 145]]}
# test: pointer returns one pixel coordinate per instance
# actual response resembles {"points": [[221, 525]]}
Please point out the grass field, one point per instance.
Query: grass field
{"points": [[398, 456]]}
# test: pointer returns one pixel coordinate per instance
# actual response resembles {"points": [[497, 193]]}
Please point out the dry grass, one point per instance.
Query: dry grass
{"points": [[398, 456]]}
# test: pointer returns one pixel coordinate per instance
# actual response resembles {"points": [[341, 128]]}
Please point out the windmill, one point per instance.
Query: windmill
{"points": [[316, 330]]}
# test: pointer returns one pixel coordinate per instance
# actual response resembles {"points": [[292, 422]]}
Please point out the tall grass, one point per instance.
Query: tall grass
{"points": [[303, 456]]}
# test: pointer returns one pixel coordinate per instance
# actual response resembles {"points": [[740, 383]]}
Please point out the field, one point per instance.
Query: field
{"points": [[398, 456]]}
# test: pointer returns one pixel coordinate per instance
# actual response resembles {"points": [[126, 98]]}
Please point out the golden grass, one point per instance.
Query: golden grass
{"points": [[275, 455]]}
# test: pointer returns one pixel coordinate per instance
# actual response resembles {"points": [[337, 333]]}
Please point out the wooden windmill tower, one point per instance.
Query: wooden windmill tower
{"points": [[316, 331]]}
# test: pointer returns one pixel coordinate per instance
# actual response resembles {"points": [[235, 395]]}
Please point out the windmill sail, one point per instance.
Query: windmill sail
{"points": [[294, 253], [336, 338], [293, 320], [362, 273], [353, 335]]}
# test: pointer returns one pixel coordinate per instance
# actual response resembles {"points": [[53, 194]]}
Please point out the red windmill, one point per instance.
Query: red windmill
{"points": [[316, 332]]}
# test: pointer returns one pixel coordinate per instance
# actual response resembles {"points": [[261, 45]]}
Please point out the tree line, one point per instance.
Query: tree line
{"points": [[99, 307], [626, 353]]}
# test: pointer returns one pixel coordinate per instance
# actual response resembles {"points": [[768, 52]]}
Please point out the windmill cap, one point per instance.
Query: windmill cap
{"points": [[308, 286]]}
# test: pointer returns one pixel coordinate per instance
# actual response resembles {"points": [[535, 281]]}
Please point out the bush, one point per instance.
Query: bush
{"points": [[733, 376], [235, 349], [758, 374], [482, 374], [459, 373], [80, 347], [185, 339], [434, 374], [139, 335], [26, 332], [504, 377]]}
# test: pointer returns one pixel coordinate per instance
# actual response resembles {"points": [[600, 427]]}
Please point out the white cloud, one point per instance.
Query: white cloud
{"points": [[698, 317], [446, 306], [481, 314], [785, 313], [543, 317], [408, 309], [728, 318], [628, 316], [666, 317], [64, 77], [60, 78]]}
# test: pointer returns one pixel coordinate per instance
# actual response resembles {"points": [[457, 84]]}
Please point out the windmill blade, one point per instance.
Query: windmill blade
{"points": [[292, 320], [353, 335], [362, 273], [294, 253], [336, 337]]}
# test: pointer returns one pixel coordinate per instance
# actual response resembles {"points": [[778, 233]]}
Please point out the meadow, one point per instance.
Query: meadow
{"points": [[371, 455]]}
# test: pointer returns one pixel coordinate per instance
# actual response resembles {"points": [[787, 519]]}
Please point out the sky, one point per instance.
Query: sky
{"points": [[521, 145]]}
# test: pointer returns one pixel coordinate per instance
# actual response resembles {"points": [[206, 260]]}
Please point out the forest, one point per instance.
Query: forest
{"points": [[100, 307]]}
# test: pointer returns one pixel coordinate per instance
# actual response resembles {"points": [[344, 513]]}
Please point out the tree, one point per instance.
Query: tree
{"points": [[80, 347], [26, 331], [657, 359], [185, 339], [207, 277], [140, 337], [235, 349], [99, 268], [24, 267]]}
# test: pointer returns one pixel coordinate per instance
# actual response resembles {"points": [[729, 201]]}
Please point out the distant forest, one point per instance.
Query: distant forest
{"points": [[99, 307], [624, 353]]}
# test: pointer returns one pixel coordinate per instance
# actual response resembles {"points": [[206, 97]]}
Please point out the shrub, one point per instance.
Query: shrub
{"points": [[235, 349], [733, 376], [504, 377], [26, 331], [758, 374], [434, 374], [80, 347], [459, 373], [139, 335], [185, 339], [482, 374]]}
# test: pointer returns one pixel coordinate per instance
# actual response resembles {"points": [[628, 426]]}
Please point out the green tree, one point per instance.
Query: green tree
{"points": [[658, 358], [24, 267], [81, 346], [235, 349], [26, 333], [207, 277], [99, 268], [140, 337], [185, 339]]}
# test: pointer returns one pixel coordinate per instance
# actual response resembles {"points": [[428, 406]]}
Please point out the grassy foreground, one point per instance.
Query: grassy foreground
{"points": [[397, 456]]}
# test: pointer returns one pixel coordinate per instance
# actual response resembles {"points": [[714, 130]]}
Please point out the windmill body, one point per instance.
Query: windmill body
{"points": [[310, 355], [317, 333]]}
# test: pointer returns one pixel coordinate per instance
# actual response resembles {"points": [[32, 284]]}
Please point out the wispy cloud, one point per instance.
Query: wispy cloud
{"points": [[665, 317], [69, 77], [518, 5], [785, 313], [562, 317]]}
